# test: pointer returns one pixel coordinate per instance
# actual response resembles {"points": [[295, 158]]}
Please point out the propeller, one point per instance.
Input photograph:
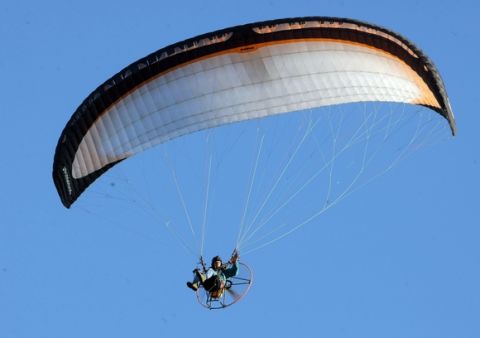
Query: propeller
{"points": [[235, 295]]}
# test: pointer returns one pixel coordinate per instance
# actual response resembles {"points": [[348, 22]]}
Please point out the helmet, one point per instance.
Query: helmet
{"points": [[216, 258]]}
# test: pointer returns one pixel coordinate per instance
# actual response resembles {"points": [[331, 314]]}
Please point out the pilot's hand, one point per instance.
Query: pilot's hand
{"points": [[234, 257]]}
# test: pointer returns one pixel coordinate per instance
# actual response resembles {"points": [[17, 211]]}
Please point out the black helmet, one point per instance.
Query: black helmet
{"points": [[216, 258]]}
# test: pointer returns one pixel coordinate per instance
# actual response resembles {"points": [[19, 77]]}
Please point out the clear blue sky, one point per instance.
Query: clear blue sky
{"points": [[399, 258]]}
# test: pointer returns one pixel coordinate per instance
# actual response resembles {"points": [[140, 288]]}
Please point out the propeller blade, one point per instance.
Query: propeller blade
{"points": [[235, 295]]}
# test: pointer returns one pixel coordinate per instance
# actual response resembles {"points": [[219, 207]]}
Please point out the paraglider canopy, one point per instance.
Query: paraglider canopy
{"points": [[236, 74]]}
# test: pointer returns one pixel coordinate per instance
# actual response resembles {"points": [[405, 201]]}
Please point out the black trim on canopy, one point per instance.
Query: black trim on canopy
{"points": [[189, 50]]}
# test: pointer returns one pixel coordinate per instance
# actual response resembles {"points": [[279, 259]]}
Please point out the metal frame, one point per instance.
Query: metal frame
{"points": [[235, 289]]}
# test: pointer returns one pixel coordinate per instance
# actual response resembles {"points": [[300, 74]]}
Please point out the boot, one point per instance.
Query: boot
{"points": [[192, 286]]}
